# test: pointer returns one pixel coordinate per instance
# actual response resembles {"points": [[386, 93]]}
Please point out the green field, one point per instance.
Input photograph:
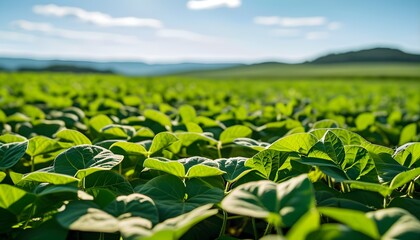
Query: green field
{"points": [[359, 71], [328, 153]]}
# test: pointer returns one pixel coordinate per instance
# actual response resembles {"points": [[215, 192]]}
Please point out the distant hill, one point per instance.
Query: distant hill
{"points": [[370, 55], [64, 68], [125, 68], [369, 63]]}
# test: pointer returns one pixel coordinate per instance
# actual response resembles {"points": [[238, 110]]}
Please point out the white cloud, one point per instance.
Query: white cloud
{"points": [[290, 21], [50, 30], [316, 35], [332, 26], [184, 35], [286, 32], [210, 4], [97, 18], [16, 36]]}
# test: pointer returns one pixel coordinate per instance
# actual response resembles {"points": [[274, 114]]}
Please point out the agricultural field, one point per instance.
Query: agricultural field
{"points": [[177, 157]]}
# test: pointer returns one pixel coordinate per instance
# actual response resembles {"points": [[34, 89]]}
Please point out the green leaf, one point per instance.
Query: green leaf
{"points": [[128, 148], [109, 180], [48, 177], [49, 229], [408, 133], [119, 131], [356, 220], [234, 168], [134, 205], [72, 137], [173, 228], [185, 168], [279, 204], [173, 197], [299, 142], [11, 138], [86, 216], [14, 199], [98, 122], [251, 143], [329, 147], [83, 157], [364, 120], [2, 176], [233, 132], [269, 162], [408, 155], [187, 113], [187, 138], [396, 223], [404, 178], [158, 117], [11, 153], [374, 187], [41, 145], [305, 225], [347, 137], [333, 231], [358, 164], [161, 141]]}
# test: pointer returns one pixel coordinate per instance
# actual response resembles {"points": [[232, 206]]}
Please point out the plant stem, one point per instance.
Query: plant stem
{"points": [[268, 229], [227, 187], [223, 229], [254, 228], [219, 147], [278, 230], [32, 164], [33, 209]]}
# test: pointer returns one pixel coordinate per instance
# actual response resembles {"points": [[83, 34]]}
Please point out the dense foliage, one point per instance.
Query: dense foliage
{"points": [[110, 157]]}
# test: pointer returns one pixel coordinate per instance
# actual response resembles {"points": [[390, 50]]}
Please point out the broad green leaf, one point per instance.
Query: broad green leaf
{"points": [[408, 155], [233, 132], [173, 228], [11, 153], [83, 157], [187, 138], [187, 113], [109, 180], [48, 177], [356, 220], [404, 178], [334, 231], [11, 138], [119, 131], [134, 205], [328, 167], [173, 197], [329, 147], [305, 225], [162, 140], [408, 133], [97, 122], [364, 120], [14, 199], [72, 137], [185, 168], [234, 168], [347, 137], [279, 204], [396, 223], [299, 142], [2, 176], [128, 148], [86, 216], [358, 164], [41, 145], [325, 123], [374, 187], [158, 117], [269, 162], [251, 143]]}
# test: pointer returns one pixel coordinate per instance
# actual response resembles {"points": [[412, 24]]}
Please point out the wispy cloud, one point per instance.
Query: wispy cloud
{"points": [[332, 26], [316, 35], [286, 32], [97, 18], [16, 36], [50, 30], [290, 21], [210, 4], [184, 35]]}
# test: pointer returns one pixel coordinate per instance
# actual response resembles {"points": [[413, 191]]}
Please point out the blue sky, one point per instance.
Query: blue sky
{"points": [[204, 30]]}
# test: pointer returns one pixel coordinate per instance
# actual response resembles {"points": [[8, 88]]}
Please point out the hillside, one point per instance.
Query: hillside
{"points": [[370, 55]]}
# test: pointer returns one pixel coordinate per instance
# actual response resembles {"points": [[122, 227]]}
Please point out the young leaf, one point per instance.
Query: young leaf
{"points": [[83, 157], [11, 153], [233, 132]]}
